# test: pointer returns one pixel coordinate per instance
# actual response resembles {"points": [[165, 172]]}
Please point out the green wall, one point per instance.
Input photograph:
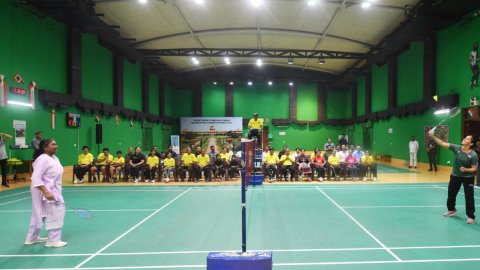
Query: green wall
{"points": [[379, 88], [361, 96], [132, 85], [213, 97], [307, 105], [410, 75]]}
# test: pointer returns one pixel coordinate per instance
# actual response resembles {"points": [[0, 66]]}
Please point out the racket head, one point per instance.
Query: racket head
{"points": [[84, 213], [454, 112]]}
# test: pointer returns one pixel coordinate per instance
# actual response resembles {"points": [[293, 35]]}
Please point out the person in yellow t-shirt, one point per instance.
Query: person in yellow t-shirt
{"points": [[103, 161], [116, 166], [203, 162], [287, 162], [255, 126], [168, 167], [368, 164], [334, 165], [151, 166], [270, 161], [188, 164], [85, 161], [225, 155]]}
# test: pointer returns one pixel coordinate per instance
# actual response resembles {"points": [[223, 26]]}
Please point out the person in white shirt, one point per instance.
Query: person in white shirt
{"points": [[413, 149]]}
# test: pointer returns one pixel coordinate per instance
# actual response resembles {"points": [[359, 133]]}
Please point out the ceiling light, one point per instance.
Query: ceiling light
{"points": [[195, 61], [214, 83], [321, 61], [311, 3], [142, 1], [199, 1], [250, 83], [366, 4], [270, 82], [290, 83], [227, 60], [20, 103], [290, 61], [256, 3], [259, 62], [231, 83]]}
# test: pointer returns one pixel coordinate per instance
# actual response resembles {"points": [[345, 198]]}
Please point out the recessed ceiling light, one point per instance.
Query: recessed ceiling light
{"points": [[270, 82], [290, 61], [143, 1], [199, 1], [195, 61], [366, 4], [227, 60], [256, 3], [214, 83], [311, 3], [290, 83], [250, 83], [231, 83], [259, 62], [321, 61]]}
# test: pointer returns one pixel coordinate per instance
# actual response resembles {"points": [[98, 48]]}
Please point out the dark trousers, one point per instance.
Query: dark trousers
{"points": [[432, 160], [271, 170], [320, 171], [4, 168], [286, 169], [80, 171], [256, 133], [364, 169], [206, 173], [453, 189], [150, 172]]}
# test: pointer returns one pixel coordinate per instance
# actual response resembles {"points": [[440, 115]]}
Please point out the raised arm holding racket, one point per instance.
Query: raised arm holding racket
{"points": [[463, 172]]}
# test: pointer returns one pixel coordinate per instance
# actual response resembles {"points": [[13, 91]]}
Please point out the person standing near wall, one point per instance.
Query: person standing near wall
{"points": [[48, 205], [4, 138], [463, 172], [432, 155], [36, 142], [413, 149]]}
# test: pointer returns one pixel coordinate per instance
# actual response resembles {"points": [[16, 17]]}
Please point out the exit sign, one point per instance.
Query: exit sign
{"points": [[18, 91]]}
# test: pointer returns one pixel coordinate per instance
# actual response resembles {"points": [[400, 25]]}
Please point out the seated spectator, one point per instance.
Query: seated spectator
{"points": [[84, 162], [170, 150], [213, 153], [128, 168], [151, 166], [103, 161], [352, 166], [225, 155], [137, 162], [198, 151], [312, 155], [318, 164], [303, 163], [358, 153], [234, 167], [116, 166], [162, 158], [270, 162], [334, 165], [219, 167], [343, 154], [343, 141], [287, 161], [329, 143], [168, 167], [281, 153], [368, 164], [203, 162], [188, 162], [297, 153]]}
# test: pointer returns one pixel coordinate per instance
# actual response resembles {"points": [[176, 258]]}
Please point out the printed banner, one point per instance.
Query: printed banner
{"points": [[20, 127], [207, 131], [175, 142]]}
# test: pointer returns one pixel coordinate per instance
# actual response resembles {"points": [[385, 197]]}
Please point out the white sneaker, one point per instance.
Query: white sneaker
{"points": [[470, 221], [76, 181], [320, 179], [56, 244], [136, 180], [153, 181], [167, 180], [450, 213], [36, 241], [146, 180], [375, 179], [364, 179]]}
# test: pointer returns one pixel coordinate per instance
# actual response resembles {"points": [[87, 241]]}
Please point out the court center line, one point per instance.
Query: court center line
{"points": [[359, 224], [458, 191], [131, 229], [15, 200]]}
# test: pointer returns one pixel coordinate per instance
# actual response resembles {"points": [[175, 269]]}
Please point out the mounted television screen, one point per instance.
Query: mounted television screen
{"points": [[73, 120]]}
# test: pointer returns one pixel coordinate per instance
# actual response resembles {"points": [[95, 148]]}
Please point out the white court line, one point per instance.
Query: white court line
{"points": [[15, 200], [91, 210], [129, 230], [15, 194], [360, 225], [458, 191], [395, 206], [275, 264], [113, 254]]}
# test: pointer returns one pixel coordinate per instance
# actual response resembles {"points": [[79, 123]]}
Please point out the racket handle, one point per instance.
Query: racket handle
{"points": [[433, 129]]}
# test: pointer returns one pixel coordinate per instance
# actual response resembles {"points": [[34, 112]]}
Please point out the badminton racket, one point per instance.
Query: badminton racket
{"points": [[83, 213], [449, 113]]}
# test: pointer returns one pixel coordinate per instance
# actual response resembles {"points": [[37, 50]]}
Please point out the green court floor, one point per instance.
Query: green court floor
{"points": [[364, 226]]}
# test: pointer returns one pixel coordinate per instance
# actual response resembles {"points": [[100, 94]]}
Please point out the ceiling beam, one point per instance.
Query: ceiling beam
{"points": [[265, 53]]}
